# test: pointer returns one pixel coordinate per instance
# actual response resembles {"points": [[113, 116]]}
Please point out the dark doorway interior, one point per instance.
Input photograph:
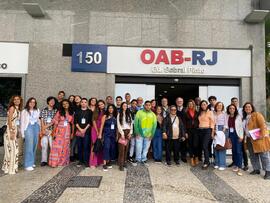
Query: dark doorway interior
{"points": [[172, 91]]}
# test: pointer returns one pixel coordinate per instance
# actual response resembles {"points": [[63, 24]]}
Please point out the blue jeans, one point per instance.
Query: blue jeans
{"points": [[84, 147], [237, 154], [109, 148], [220, 155], [157, 145], [142, 146], [30, 144]]}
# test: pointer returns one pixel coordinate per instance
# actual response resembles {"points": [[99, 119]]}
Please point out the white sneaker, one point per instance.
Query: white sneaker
{"points": [[34, 166], [215, 167], [29, 168], [221, 168]]}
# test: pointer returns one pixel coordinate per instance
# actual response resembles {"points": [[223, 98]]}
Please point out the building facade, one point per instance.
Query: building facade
{"points": [[154, 24]]}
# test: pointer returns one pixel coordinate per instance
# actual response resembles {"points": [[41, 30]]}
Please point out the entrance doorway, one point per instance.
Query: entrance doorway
{"points": [[172, 91]]}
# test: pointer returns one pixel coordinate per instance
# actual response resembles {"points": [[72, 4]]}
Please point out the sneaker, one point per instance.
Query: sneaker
{"points": [[131, 160], [255, 172], [157, 161], [245, 168], [177, 163], [168, 163], [29, 168], [79, 164], [34, 166], [109, 165], [43, 164], [215, 167], [145, 163], [235, 169], [121, 168], [134, 163], [205, 166], [221, 168], [105, 168], [184, 160]]}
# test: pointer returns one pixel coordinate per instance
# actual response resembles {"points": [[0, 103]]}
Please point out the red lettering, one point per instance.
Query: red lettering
{"points": [[162, 57], [147, 56], [177, 57]]}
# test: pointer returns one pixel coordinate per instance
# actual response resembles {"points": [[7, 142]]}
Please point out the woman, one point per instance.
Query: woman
{"points": [[191, 125], [157, 140], [11, 157], [153, 105], [96, 159], [221, 122], [71, 98], [63, 132], [108, 133], [125, 130], [92, 104], [258, 148], [77, 102], [206, 130], [236, 135], [30, 127]]}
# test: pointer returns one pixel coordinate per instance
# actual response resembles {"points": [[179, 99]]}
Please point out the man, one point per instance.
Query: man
{"points": [[165, 107], [235, 101], [173, 133], [180, 113], [128, 98], [139, 103], [197, 102], [145, 126], [133, 110], [118, 102], [60, 97], [83, 122], [46, 117], [109, 100], [212, 100]]}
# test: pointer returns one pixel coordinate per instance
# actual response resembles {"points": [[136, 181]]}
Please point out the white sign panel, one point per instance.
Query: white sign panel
{"points": [[175, 61], [14, 57]]}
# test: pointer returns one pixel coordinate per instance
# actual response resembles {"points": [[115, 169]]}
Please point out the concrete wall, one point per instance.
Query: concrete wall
{"points": [[172, 23]]}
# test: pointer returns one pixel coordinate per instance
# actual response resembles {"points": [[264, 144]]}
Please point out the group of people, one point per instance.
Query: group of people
{"points": [[97, 132]]}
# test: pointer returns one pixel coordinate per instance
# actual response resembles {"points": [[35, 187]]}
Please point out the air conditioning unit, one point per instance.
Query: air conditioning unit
{"points": [[265, 4]]}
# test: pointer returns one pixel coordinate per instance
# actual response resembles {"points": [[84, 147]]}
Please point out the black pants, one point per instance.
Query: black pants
{"points": [[204, 140], [245, 156], [183, 149], [172, 145], [193, 141]]}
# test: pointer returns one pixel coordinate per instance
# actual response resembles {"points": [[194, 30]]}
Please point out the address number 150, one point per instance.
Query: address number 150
{"points": [[90, 57]]}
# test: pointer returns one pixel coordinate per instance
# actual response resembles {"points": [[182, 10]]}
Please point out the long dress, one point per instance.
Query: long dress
{"points": [[95, 159], [60, 151], [11, 157]]}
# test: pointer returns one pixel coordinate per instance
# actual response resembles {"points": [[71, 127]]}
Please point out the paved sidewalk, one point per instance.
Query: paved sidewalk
{"points": [[155, 183]]}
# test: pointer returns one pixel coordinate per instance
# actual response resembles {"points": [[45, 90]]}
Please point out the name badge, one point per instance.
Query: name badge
{"points": [[83, 121], [112, 126], [231, 130], [65, 123], [49, 120], [17, 122]]}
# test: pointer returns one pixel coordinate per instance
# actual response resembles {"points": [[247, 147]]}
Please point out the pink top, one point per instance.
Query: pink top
{"points": [[206, 120], [221, 119]]}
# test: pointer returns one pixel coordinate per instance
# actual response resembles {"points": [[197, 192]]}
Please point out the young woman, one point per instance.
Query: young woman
{"points": [[107, 131], [221, 124], [10, 163], [258, 148], [133, 111], [83, 123], [46, 117], [63, 132], [96, 159], [71, 99], [125, 130], [205, 130], [157, 140], [236, 135], [30, 127], [191, 125], [92, 104], [153, 105]]}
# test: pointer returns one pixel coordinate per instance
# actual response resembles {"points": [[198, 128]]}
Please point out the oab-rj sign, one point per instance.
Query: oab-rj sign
{"points": [[161, 61]]}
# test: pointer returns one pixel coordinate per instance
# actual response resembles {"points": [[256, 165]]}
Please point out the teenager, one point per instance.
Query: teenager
{"points": [[157, 140]]}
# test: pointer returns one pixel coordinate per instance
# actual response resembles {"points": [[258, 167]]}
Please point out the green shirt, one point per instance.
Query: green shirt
{"points": [[145, 123]]}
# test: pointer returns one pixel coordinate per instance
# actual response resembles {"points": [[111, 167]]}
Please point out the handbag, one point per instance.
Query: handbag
{"points": [[2, 132], [97, 146], [228, 145], [79, 134], [122, 141]]}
